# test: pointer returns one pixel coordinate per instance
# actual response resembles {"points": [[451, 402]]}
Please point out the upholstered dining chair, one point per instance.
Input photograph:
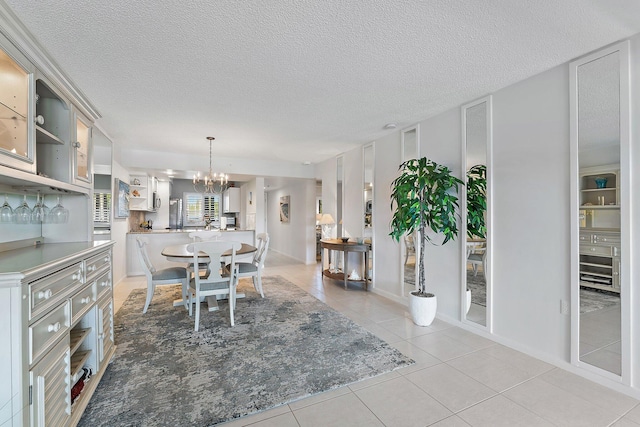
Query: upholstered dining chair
{"points": [[165, 276], [254, 268], [477, 256], [216, 281]]}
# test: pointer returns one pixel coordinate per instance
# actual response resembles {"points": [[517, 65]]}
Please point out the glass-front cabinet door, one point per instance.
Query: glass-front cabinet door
{"points": [[82, 150], [16, 77]]}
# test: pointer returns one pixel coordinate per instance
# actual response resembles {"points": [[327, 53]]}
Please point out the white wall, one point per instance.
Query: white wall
{"points": [[296, 238], [531, 214], [531, 239]]}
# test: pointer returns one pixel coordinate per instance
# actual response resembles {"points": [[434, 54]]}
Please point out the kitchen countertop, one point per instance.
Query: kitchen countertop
{"points": [[176, 231]]}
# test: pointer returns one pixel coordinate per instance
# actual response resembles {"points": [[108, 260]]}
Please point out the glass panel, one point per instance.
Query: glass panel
{"points": [[14, 97], [339, 196], [475, 276], [193, 209], [82, 151], [598, 85], [368, 170]]}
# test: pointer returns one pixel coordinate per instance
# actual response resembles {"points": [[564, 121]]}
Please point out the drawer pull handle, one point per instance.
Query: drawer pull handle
{"points": [[85, 300], [593, 249], [106, 259], [92, 268], [76, 276], [105, 283], [45, 294], [55, 327]]}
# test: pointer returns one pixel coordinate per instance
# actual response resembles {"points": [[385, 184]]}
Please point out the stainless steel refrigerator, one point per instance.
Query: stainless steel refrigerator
{"points": [[175, 213]]}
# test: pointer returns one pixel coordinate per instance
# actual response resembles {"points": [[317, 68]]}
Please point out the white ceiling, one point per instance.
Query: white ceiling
{"points": [[308, 79]]}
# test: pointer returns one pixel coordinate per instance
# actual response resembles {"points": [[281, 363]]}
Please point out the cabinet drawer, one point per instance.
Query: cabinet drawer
{"points": [[595, 250], [94, 264], [82, 302], [46, 331], [606, 238], [103, 284], [48, 291]]}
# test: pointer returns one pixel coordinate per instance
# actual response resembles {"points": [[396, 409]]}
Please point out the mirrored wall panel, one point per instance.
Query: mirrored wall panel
{"points": [[600, 182], [476, 142], [339, 194], [409, 249], [368, 154]]}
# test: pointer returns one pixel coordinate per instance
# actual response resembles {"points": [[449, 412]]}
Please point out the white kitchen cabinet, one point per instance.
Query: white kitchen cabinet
{"points": [[142, 188], [60, 322], [231, 200], [82, 150], [17, 148]]}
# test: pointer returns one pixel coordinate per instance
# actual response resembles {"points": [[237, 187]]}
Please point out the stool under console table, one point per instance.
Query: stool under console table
{"points": [[56, 308], [346, 248]]}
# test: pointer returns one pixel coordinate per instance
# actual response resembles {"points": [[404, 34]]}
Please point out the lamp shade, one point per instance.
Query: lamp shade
{"points": [[326, 219]]}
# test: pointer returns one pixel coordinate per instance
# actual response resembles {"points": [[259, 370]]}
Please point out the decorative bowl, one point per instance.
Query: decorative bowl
{"points": [[344, 239], [601, 182]]}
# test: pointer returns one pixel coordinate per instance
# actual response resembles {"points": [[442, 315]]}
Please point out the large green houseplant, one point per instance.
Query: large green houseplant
{"points": [[476, 201], [424, 197]]}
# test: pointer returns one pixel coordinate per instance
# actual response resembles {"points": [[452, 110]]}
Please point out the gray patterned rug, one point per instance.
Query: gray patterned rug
{"points": [[284, 347], [593, 299]]}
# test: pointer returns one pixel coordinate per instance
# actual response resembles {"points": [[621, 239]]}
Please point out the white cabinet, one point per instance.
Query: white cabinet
{"points": [[82, 163], [600, 260], [142, 189], [231, 200], [59, 330]]}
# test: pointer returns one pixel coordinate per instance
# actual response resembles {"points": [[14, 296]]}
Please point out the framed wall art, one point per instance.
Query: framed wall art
{"points": [[121, 199], [285, 209]]}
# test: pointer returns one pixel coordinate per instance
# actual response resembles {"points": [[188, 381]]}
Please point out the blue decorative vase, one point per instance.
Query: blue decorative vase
{"points": [[601, 182]]}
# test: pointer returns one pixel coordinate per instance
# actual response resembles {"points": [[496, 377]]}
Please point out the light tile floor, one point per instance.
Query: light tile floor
{"points": [[459, 379]]}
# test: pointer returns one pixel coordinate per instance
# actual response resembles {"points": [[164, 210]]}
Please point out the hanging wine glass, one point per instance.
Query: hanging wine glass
{"points": [[38, 213], [23, 212], [46, 212], [6, 213], [59, 214]]}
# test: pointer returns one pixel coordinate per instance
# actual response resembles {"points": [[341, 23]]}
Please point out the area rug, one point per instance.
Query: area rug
{"points": [[478, 288], [592, 300], [284, 347]]}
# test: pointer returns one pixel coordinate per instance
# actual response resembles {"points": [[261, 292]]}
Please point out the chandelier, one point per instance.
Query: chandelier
{"points": [[213, 182]]}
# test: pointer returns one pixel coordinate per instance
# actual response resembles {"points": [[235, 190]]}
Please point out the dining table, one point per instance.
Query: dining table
{"points": [[181, 253]]}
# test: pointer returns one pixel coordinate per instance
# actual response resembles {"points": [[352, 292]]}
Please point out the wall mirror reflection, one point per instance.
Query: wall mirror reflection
{"points": [[368, 154], [408, 248], [476, 142], [339, 194], [600, 184]]}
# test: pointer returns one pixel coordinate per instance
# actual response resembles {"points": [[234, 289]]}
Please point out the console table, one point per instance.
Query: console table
{"points": [[345, 247]]}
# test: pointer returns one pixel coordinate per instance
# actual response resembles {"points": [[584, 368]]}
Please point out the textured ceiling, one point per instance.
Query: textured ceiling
{"points": [[308, 79]]}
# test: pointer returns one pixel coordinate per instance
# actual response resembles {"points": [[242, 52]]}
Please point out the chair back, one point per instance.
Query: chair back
{"points": [[149, 269], [261, 252], [205, 235], [214, 250]]}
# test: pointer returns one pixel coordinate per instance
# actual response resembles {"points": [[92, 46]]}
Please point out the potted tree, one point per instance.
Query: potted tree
{"points": [[476, 207], [424, 197]]}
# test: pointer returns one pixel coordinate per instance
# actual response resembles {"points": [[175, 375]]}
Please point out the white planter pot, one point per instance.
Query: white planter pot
{"points": [[423, 309], [468, 300]]}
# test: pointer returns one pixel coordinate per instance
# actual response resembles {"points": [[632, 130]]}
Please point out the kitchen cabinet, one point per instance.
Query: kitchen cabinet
{"points": [[82, 150], [59, 329], [142, 189], [600, 260], [231, 200], [16, 89]]}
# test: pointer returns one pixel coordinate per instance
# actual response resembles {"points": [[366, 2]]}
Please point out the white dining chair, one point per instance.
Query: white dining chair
{"points": [[254, 268], [167, 276], [216, 281], [477, 256], [205, 235]]}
